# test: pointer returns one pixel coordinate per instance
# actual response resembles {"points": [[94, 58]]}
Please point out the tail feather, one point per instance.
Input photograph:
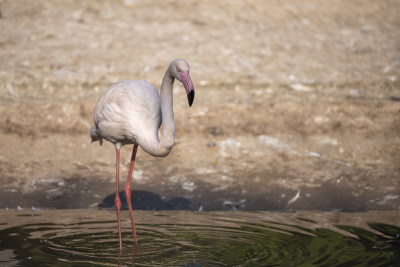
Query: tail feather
{"points": [[95, 136]]}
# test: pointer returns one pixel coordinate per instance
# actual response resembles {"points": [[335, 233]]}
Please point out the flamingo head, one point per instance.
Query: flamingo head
{"points": [[180, 70]]}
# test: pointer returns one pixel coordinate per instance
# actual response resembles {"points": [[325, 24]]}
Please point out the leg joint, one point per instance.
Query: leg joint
{"points": [[117, 202]]}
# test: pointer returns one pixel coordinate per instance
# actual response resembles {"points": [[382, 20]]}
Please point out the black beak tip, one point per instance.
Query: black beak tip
{"points": [[190, 97]]}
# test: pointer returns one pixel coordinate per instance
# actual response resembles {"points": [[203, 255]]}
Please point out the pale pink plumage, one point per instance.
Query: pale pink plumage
{"points": [[129, 112]]}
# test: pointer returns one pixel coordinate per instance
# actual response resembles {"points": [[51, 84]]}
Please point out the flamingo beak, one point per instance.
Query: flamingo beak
{"points": [[189, 87]]}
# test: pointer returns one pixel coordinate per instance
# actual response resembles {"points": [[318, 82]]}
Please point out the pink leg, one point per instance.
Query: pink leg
{"points": [[128, 191], [117, 200]]}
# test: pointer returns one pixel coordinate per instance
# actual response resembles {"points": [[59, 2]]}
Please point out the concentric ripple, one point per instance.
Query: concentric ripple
{"points": [[182, 238]]}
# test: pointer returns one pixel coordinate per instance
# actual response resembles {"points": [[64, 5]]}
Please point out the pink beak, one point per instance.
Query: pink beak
{"points": [[189, 87]]}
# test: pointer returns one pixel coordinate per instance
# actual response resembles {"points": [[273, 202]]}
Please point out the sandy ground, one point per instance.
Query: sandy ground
{"points": [[297, 103]]}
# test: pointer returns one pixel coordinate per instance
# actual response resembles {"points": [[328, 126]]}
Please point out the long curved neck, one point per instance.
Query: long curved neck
{"points": [[167, 112]]}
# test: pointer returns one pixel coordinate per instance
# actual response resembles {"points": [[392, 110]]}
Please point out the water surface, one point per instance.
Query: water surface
{"points": [[184, 238]]}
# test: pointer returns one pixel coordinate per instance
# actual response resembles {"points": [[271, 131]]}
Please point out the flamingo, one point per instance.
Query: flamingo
{"points": [[131, 112]]}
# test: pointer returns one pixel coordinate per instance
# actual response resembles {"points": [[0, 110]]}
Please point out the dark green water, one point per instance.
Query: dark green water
{"points": [[183, 238]]}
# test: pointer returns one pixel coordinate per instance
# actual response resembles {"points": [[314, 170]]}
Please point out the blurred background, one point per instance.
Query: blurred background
{"points": [[297, 103]]}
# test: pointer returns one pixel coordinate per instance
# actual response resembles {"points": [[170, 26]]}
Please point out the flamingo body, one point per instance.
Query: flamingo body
{"points": [[129, 112]]}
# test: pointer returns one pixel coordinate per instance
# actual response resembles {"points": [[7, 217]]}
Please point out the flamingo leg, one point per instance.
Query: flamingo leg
{"points": [[117, 199], [128, 190]]}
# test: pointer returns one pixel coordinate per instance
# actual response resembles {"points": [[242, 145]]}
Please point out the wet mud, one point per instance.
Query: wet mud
{"points": [[297, 103]]}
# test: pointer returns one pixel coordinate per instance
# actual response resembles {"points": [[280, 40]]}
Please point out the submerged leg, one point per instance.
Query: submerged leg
{"points": [[117, 200], [128, 190]]}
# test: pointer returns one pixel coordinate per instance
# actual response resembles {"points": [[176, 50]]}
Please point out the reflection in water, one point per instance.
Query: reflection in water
{"points": [[183, 238]]}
